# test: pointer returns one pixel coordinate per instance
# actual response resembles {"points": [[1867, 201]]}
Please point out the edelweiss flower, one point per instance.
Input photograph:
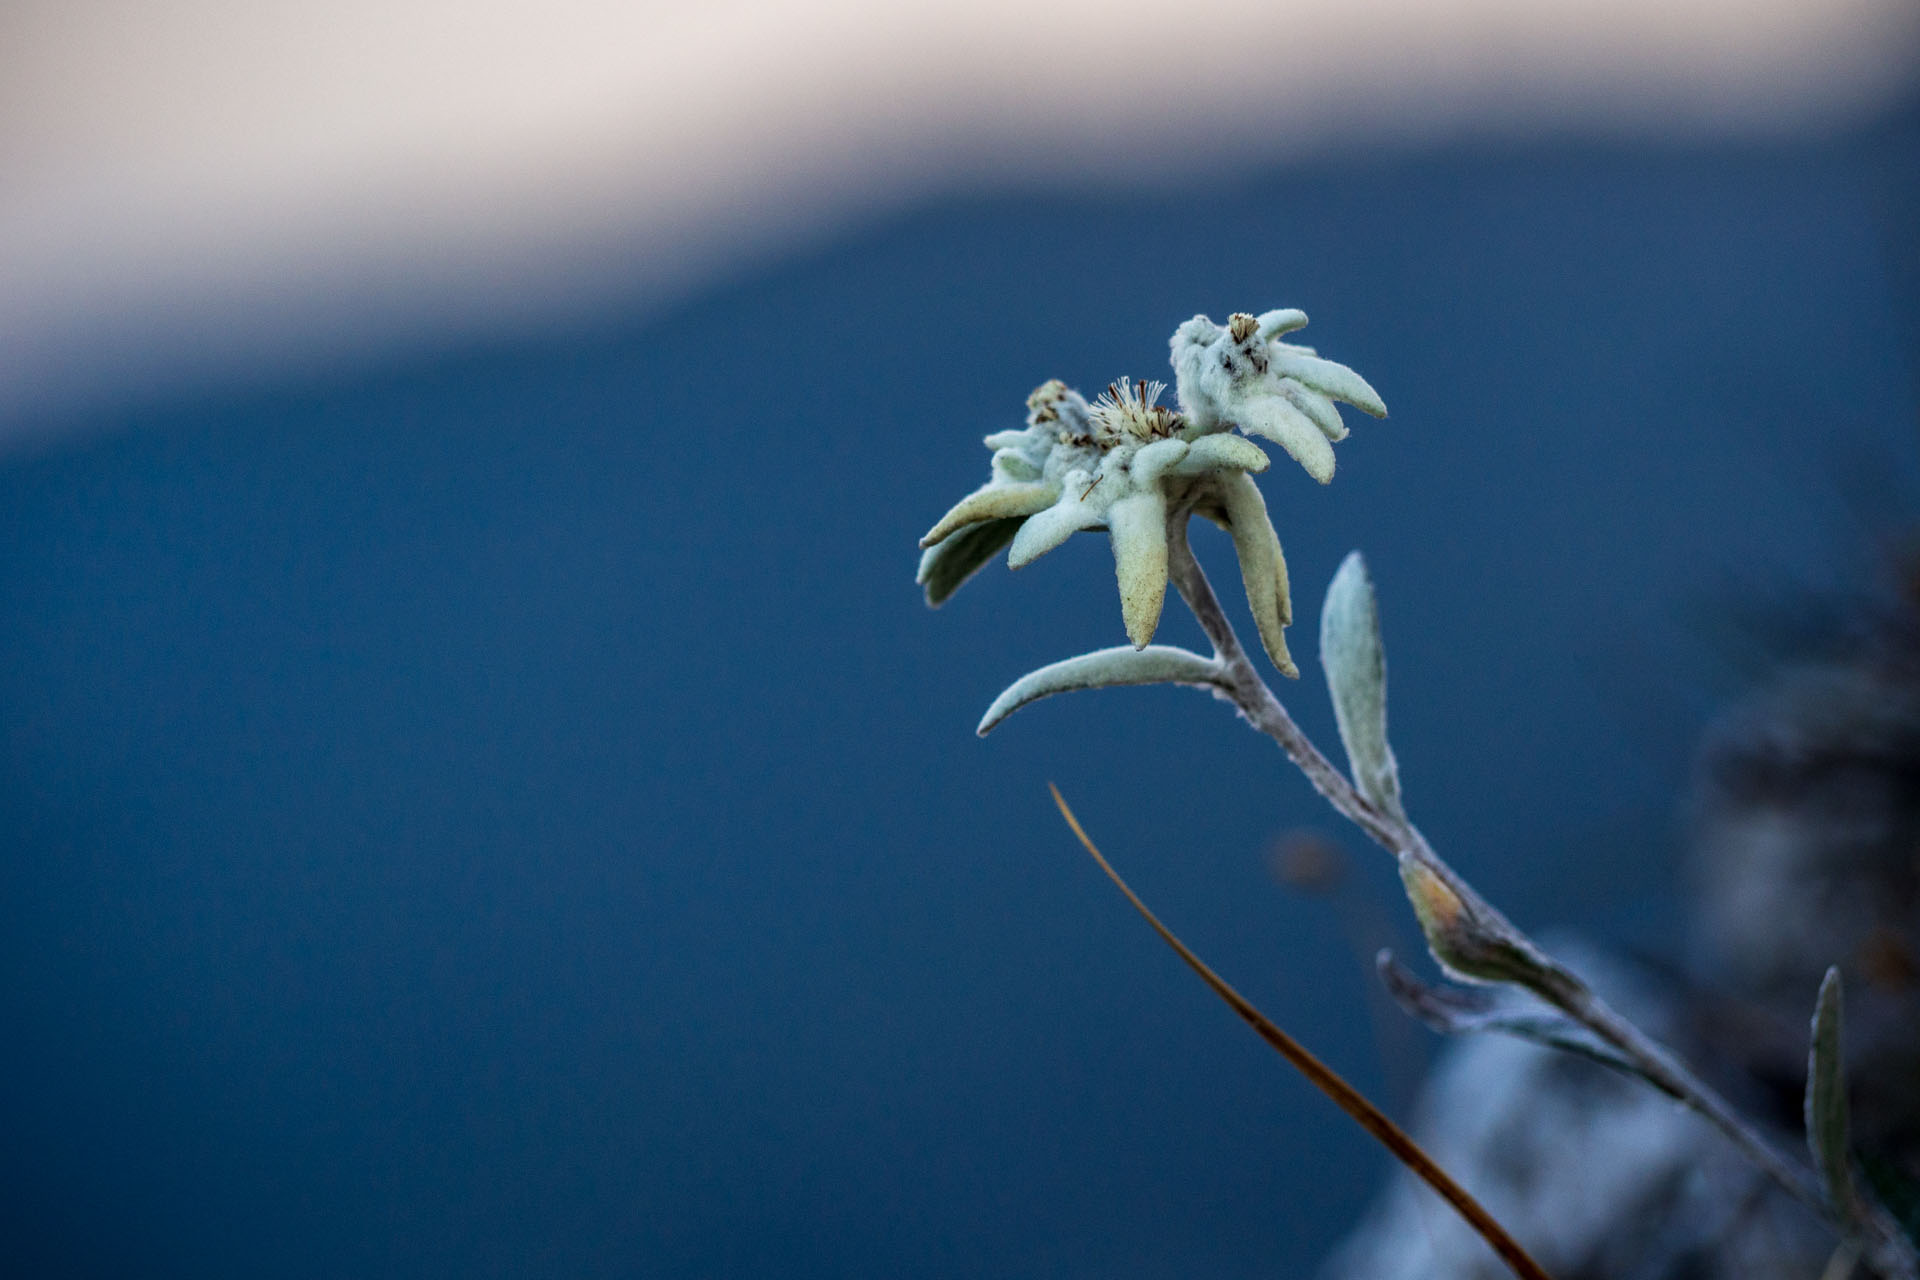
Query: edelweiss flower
{"points": [[1027, 470], [1125, 464], [1243, 376]]}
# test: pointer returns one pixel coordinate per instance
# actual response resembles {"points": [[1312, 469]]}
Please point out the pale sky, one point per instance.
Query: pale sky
{"points": [[199, 189]]}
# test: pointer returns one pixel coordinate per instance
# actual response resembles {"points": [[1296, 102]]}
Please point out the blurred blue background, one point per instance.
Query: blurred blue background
{"points": [[502, 808]]}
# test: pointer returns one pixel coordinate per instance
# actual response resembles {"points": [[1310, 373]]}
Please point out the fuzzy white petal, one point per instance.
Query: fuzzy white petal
{"points": [[1325, 414], [1022, 438], [1277, 420], [1222, 453], [1263, 568], [1139, 525], [1154, 459], [1275, 323], [1054, 526], [1330, 378], [994, 502]]}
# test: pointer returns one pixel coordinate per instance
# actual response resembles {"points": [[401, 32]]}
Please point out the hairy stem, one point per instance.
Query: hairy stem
{"points": [[1241, 685], [1888, 1250]]}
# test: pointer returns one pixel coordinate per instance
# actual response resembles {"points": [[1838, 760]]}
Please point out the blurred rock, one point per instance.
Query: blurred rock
{"points": [[1598, 1175]]}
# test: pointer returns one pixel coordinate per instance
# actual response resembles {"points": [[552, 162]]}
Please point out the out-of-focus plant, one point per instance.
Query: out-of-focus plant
{"points": [[1140, 470]]}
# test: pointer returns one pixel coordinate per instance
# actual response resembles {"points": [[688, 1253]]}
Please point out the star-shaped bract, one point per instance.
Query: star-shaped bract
{"points": [[1244, 376], [1124, 463], [1127, 464], [1028, 468]]}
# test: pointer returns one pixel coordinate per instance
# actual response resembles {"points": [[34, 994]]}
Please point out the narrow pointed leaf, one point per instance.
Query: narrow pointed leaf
{"points": [[993, 502], [1274, 324], [1826, 1104], [1050, 528], [1263, 568], [1156, 459], [1325, 414], [945, 567], [1330, 378], [1139, 525], [1276, 419], [1356, 668], [1106, 668], [1223, 452]]}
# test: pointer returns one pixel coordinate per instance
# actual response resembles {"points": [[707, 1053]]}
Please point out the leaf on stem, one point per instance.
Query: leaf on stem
{"points": [[1104, 668], [1356, 667], [1457, 1011], [1826, 1105]]}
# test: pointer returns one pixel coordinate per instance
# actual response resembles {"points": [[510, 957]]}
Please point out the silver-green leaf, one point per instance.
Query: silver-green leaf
{"points": [[1356, 667], [1104, 668], [1826, 1107]]}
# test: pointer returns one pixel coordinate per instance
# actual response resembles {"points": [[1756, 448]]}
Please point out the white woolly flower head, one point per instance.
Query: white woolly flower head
{"points": [[1056, 405], [1058, 424], [1242, 375], [1125, 464]]}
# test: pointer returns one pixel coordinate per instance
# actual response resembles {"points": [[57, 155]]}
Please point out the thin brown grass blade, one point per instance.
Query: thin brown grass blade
{"points": [[1328, 1081]]}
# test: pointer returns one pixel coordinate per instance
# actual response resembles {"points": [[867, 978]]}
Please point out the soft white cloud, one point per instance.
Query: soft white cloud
{"points": [[207, 186]]}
